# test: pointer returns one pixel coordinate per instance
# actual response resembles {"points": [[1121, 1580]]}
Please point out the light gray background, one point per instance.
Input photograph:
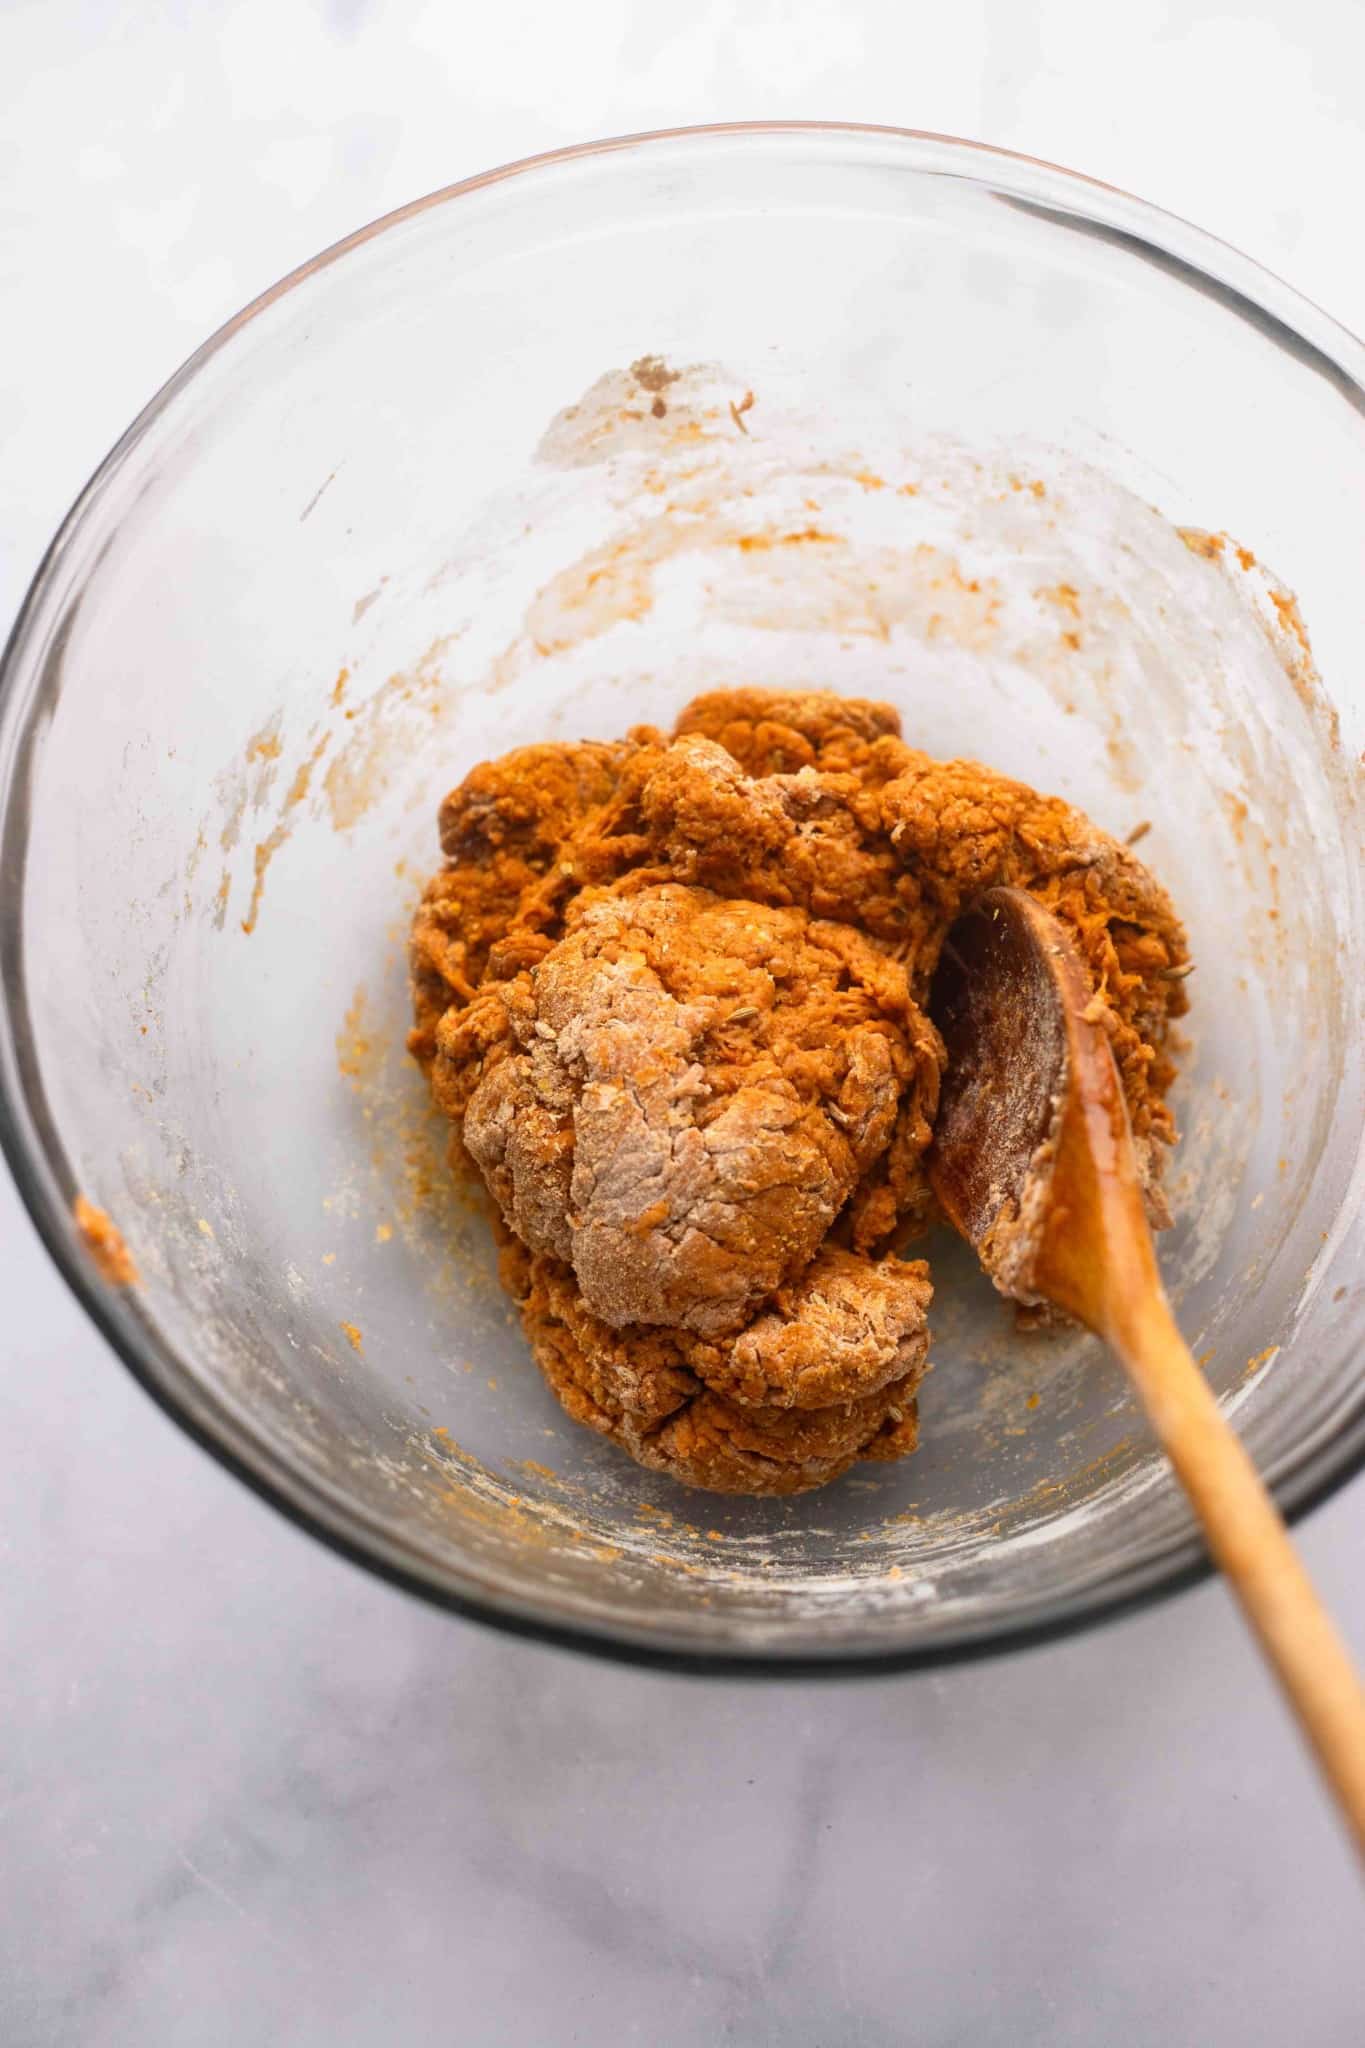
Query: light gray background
{"points": [[249, 1796]]}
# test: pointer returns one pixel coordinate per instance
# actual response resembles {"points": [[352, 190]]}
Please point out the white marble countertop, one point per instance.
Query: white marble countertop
{"points": [[249, 1795]]}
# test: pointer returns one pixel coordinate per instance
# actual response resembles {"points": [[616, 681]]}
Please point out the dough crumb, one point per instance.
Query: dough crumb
{"points": [[105, 1244]]}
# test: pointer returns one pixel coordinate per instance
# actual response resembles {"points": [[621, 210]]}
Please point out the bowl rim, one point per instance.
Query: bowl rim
{"points": [[46, 1183]]}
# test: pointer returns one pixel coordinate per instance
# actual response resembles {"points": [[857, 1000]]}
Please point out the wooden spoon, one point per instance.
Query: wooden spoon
{"points": [[1034, 1163]]}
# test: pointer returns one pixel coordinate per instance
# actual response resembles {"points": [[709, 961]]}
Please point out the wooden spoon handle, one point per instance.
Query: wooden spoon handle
{"points": [[1249, 1540]]}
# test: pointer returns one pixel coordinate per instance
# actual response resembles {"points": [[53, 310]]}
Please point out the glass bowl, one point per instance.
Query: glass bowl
{"points": [[545, 454]]}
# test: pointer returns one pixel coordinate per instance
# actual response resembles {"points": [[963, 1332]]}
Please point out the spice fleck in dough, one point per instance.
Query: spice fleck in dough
{"points": [[670, 992]]}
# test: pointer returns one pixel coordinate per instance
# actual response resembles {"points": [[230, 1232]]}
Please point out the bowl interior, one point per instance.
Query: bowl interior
{"points": [[545, 458]]}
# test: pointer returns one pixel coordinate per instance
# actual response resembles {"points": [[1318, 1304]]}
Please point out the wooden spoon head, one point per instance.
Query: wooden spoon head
{"points": [[1032, 1157]]}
